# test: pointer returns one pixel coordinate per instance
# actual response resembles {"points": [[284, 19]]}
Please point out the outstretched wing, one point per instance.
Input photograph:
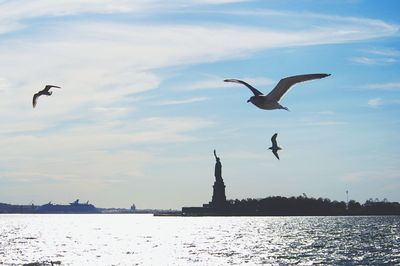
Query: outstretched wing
{"points": [[273, 140], [48, 87], [254, 90], [275, 152], [34, 100], [286, 83]]}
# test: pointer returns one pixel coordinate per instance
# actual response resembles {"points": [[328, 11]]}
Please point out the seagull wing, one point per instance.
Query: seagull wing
{"points": [[275, 152], [254, 90], [48, 87], [286, 83], [34, 100], [273, 140]]}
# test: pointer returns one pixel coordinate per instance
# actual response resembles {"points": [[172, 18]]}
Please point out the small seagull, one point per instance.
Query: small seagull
{"points": [[45, 91], [271, 100], [275, 147]]}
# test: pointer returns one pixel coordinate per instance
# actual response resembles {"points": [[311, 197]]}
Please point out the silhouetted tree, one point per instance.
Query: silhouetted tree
{"points": [[302, 205]]}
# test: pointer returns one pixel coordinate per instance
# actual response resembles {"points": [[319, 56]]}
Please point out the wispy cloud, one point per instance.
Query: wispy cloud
{"points": [[390, 86], [374, 103], [378, 102], [218, 83], [375, 56], [364, 60], [113, 110], [184, 101], [389, 52], [310, 17], [326, 123], [92, 151], [322, 119], [219, 1], [14, 15]]}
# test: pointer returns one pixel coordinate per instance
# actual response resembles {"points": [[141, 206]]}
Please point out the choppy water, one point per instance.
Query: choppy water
{"points": [[148, 240]]}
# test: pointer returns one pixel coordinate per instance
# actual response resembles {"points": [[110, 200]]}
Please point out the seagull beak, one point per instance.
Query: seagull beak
{"points": [[248, 100]]}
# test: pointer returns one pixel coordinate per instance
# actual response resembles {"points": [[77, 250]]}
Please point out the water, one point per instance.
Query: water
{"points": [[146, 240]]}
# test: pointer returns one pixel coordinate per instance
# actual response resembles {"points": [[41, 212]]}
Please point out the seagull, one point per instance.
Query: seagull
{"points": [[45, 91], [275, 147], [271, 100]]}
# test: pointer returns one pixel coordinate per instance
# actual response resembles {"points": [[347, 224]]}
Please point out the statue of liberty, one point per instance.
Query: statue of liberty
{"points": [[218, 168]]}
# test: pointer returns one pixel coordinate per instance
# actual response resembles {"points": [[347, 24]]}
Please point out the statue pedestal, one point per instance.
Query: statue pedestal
{"points": [[218, 200]]}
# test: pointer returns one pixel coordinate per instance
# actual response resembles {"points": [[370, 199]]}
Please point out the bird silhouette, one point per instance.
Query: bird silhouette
{"points": [[45, 91], [275, 148], [271, 100]]}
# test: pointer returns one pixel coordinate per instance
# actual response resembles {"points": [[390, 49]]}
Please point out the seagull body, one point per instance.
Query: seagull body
{"points": [[275, 148], [271, 100], [46, 91]]}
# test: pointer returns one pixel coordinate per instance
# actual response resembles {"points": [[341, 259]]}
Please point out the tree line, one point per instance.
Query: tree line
{"points": [[303, 205]]}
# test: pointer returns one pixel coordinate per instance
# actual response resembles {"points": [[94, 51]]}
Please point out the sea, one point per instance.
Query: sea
{"points": [[143, 239]]}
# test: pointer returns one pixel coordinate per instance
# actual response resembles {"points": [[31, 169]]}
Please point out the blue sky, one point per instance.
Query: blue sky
{"points": [[143, 105]]}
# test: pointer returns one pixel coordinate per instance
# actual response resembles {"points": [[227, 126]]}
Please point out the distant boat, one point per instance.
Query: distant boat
{"points": [[73, 207]]}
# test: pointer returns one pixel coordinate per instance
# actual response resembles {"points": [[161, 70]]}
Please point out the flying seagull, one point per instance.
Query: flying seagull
{"points": [[271, 100], [45, 91], [275, 148]]}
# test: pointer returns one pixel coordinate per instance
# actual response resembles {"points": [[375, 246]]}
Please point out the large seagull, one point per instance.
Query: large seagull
{"points": [[45, 91], [271, 100]]}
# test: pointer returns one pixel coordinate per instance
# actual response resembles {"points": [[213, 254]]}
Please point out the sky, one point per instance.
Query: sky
{"points": [[143, 103]]}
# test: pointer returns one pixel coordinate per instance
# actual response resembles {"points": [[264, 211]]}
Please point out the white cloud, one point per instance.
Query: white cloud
{"points": [[219, 1], [14, 15], [390, 86], [102, 62], [321, 119], [373, 61], [113, 110], [344, 24], [375, 56], [203, 84], [326, 123], [363, 60], [4, 84], [374, 103], [218, 82], [389, 52], [184, 101], [377, 102], [97, 151]]}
